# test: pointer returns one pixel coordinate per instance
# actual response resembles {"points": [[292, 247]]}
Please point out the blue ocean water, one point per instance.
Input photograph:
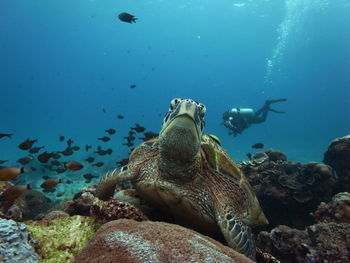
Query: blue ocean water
{"points": [[63, 62]]}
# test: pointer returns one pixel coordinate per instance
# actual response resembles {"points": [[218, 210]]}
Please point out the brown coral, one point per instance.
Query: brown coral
{"points": [[288, 192], [338, 210], [89, 205], [325, 242], [338, 157], [115, 209]]}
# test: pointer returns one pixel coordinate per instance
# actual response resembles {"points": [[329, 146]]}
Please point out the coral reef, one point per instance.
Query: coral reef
{"points": [[36, 205], [29, 206], [89, 205], [130, 241], [338, 157], [11, 209], [15, 243], [115, 209], [338, 210], [288, 192], [324, 242], [59, 240]]}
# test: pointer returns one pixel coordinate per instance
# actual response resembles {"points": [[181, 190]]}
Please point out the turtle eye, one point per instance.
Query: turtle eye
{"points": [[202, 110], [173, 103]]}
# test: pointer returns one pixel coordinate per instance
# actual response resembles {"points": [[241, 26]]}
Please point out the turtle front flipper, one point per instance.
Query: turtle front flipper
{"points": [[105, 188], [237, 234]]}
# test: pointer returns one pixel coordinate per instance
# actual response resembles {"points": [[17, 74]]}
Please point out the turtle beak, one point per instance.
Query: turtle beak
{"points": [[185, 117]]}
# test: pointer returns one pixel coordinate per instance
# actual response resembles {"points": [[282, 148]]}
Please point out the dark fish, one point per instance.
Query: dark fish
{"points": [[126, 17], [36, 149], [61, 138], [120, 117], [104, 152], [123, 162], [69, 142], [111, 131], [9, 135], [104, 110], [27, 144], [90, 159], [129, 144], [132, 86], [3, 161], [11, 173], [45, 177], [50, 183], [138, 128], [75, 148], [60, 194], [45, 157], [25, 160], [258, 145], [149, 135], [99, 164], [249, 155], [69, 182], [104, 139], [68, 151], [73, 166], [88, 147], [89, 176], [14, 192]]}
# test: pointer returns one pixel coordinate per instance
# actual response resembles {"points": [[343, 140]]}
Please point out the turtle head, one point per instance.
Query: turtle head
{"points": [[181, 133]]}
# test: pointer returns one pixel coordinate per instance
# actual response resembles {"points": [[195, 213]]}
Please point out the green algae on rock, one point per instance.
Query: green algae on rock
{"points": [[59, 240]]}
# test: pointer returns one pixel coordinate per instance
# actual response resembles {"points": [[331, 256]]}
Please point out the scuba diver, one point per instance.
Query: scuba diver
{"points": [[239, 119]]}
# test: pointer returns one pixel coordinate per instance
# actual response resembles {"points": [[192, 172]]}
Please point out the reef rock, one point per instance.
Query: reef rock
{"points": [[88, 205], [27, 207], [338, 210], [288, 192], [15, 243], [129, 241], [338, 157], [59, 240], [14, 210], [324, 242]]}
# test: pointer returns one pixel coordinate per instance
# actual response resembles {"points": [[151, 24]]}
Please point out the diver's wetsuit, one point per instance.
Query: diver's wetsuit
{"points": [[238, 119]]}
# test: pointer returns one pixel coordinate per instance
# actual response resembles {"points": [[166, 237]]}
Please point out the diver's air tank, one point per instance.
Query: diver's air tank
{"points": [[244, 112]]}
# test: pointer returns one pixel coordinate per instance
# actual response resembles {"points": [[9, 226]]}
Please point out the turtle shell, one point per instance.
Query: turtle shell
{"points": [[223, 164]]}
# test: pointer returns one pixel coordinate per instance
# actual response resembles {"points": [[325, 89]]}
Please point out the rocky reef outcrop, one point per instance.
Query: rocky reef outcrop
{"points": [[323, 242], [326, 241], [338, 210], [88, 205], [29, 206], [129, 241], [15, 243], [288, 192], [338, 157]]}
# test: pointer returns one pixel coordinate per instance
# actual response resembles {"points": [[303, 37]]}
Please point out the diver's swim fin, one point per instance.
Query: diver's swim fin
{"points": [[269, 102]]}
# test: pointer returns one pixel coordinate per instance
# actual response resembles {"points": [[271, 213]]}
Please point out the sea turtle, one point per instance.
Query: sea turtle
{"points": [[188, 174]]}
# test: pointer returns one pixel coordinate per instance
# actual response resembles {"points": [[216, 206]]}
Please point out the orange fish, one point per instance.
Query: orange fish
{"points": [[11, 173], [50, 183], [14, 192], [73, 166]]}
